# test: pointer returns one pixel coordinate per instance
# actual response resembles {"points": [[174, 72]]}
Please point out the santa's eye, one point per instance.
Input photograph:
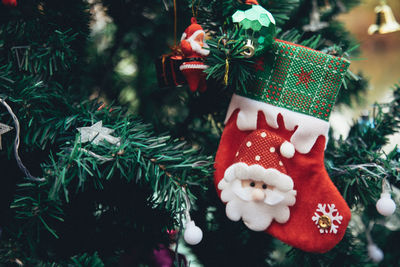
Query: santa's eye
{"points": [[252, 184], [264, 186]]}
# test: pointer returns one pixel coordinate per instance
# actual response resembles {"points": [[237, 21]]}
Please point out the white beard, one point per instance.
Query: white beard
{"points": [[197, 48], [257, 216]]}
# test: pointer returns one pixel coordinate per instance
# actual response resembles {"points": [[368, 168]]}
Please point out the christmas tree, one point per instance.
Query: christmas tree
{"points": [[107, 162]]}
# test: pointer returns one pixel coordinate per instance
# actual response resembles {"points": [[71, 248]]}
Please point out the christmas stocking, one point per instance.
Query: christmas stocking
{"points": [[270, 162]]}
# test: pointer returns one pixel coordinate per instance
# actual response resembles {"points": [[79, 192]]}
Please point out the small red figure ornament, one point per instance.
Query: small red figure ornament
{"points": [[194, 48], [9, 2]]}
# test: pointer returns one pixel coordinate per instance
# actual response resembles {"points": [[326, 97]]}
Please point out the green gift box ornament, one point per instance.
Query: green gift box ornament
{"points": [[257, 27]]}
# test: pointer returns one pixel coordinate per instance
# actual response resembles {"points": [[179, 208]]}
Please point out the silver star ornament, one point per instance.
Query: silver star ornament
{"points": [[4, 129], [97, 133]]}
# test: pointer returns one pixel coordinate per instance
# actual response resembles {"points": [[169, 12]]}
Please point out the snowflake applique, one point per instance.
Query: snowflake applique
{"points": [[327, 221]]}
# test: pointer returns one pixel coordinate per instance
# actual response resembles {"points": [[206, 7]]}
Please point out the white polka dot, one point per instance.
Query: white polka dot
{"points": [[280, 163], [263, 134], [248, 144], [272, 149], [237, 153], [258, 158], [287, 150]]}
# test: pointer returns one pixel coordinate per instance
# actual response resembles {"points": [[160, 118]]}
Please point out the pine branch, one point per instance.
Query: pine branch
{"points": [[358, 173], [163, 164], [227, 64], [35, 56]]}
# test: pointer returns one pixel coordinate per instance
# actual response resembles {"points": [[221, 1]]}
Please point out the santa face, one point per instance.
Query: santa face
{"points": [[197, 43], [257, 195]]}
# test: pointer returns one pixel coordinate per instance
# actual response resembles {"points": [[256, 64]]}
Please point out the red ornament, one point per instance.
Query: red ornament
{"points": [[194, 48], [9, 2]]}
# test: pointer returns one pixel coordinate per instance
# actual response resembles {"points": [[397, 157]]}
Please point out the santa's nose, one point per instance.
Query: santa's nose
{"points": [[258, 195]]}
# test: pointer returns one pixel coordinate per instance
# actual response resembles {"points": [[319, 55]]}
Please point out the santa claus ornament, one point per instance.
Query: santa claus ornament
{"points": [[270, 162], [195, 49]]}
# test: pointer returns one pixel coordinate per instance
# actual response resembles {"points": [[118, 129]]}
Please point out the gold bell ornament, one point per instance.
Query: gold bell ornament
{"points": [[385, 20]]}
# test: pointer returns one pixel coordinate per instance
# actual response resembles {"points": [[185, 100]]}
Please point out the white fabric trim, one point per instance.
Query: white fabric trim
{"points": [[308, 127], [183, 37], [193, 66]]}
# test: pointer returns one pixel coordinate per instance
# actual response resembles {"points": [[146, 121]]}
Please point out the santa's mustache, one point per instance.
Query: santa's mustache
{"points": [[271, 197], [197, 48]]}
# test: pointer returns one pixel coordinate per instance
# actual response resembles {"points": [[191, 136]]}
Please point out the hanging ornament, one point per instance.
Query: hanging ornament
{"points": [[97, 133], [257, 27], [9, 2], [270, 160], [315, 23], [374, 252], [4, 129], [195, 49], [385, 205], [193, 234], [167, 66], [385, 20]]}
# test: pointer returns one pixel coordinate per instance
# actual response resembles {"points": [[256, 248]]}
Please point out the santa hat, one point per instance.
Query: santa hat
{"points": [[259, 158], [193, 29]]}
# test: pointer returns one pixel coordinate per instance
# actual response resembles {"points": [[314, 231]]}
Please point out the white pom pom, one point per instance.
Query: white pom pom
{"points": [[375, 253], [287, 150], [193, 234], [385, 205]]}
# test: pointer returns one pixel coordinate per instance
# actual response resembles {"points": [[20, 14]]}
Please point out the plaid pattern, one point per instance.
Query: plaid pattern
{"points": [[297, 78]]}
